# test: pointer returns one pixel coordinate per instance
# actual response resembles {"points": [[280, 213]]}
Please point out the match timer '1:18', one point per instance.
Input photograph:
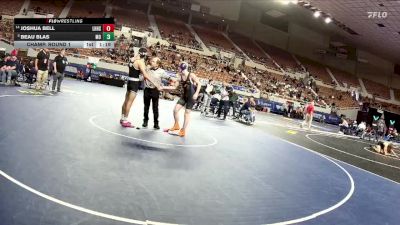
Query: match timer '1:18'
{"points": [[64, 32]]}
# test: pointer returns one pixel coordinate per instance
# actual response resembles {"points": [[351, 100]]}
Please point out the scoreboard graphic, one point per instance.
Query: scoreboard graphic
{"points": [[64, 32]]}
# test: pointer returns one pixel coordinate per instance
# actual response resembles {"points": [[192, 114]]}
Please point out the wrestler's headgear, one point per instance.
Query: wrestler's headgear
{"points": [[183, 66], [142, 53]]}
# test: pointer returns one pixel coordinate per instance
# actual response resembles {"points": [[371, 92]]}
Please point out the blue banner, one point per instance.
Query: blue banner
{"points": [[72, 69], [277, 108], [327, 118]]}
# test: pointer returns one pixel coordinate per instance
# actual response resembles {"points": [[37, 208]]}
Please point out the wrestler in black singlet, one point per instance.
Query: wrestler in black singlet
{"points": [[133, 73], [187, 92]]}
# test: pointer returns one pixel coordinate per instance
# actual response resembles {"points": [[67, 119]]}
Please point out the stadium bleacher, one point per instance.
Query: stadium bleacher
{"points": [[175, 31], [252, 50], [340, 98], [282, 57], [134, 19], [6, 30], [345, 79], [44, 7], [376, 89], [215, 39], [11, 8], [86, 9], [317, 70], [396, 94]]}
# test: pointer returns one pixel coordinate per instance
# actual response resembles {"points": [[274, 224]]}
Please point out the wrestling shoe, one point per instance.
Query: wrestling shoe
{"points": [[126, 123], [182, 133], [174, 128]]}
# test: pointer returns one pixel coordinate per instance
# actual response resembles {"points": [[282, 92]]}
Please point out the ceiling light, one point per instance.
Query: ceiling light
{"points": [[294, 2], [328, 20], [285, 2], [317, 14]]}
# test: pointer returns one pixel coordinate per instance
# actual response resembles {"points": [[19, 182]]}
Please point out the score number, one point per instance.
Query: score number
{"points": [[108, 32]]}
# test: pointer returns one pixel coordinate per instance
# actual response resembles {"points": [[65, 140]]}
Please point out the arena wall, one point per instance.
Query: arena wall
{"points": [[350, 113]]}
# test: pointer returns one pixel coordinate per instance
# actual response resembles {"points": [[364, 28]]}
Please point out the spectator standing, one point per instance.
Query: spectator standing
{"points": [[59, 64], [2, 69], [207, 97], [42, 68], [233, 98], [290, 109], [3, 66], [224, 102]]}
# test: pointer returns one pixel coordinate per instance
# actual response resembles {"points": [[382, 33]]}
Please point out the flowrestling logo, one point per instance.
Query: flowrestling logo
{"points": [[377, 15]]}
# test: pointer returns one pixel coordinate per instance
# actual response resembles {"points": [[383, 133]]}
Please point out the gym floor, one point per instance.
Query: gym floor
{"points": [[66, 160]]}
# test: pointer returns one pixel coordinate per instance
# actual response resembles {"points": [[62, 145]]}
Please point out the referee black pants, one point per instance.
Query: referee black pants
{"points": [[225, 105], [151, 95]]}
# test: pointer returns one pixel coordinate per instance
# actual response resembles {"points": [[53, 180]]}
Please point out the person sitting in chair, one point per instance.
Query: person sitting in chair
{"points": [[9, 71], [361, 129], [215, 98], [245, 110]]}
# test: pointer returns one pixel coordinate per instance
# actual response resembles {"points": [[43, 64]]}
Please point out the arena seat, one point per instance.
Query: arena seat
{"points": [[87, 9], [282, 57], [131, 5], [270, 83], [205, 67], [383, 105], [251, 50], [344, 77], [135, 19], [48, 6], [11, 8], [376, 89], [175, 31], [340, 98], [7, 30], [396, 94], [316, 69], [214, 38]]}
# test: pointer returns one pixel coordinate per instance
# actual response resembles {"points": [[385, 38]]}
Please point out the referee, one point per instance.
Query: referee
{"points": [[151, 94]]}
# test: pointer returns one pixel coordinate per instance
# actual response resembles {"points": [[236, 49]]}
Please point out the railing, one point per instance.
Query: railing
{"points": [[186, 46], [348, 108]]}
